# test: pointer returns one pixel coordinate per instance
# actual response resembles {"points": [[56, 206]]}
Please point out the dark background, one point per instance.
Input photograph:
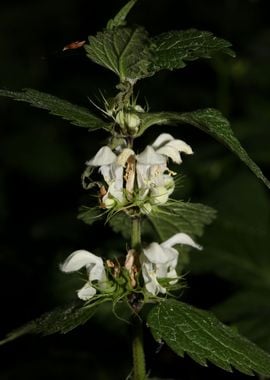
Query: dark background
{"points": [[43, 157]]}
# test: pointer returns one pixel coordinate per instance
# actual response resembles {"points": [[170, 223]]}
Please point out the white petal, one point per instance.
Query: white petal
{"points": [[142, 172], [181, 146], [113, 195], [162, 139], [180, 238], [159, 195], [118, 175], [97, 272], [104, 156], [173, 148], [170, 152], [86, 292], [156, 254], [150, 157], [151, 283], [79, 259], [106, 172]]}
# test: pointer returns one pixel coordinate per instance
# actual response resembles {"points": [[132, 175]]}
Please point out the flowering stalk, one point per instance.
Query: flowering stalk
{"points": [[139, 371]]}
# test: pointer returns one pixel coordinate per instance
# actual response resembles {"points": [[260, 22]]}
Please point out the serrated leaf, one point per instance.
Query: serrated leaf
{"points": [[123, 50], [210, 121], [120, 18], [202, 336], [89, 215], [174, 48], [60, 320], [187, 217], [76, 115]]}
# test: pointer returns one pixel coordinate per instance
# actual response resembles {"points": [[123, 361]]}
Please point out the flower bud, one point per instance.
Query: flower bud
{"points": [[108, 203], [129, 121], [159, 195], [146, 209]]}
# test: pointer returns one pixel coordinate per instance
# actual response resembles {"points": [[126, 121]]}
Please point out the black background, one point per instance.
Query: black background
{"points": [[43, 158]]}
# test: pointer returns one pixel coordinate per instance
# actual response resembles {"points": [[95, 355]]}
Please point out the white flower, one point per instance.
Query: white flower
{"points": [[159, 261], [144, 177], [152, 178], [112, 173], [167, 145], [94, 267]]}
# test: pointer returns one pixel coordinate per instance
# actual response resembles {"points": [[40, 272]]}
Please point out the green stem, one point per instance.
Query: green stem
{"points": [[136, 234], [139, 371]]}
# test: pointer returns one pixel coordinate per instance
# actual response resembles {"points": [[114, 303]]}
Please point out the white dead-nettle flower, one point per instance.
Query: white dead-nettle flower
{"points": [[170, 147], [94, 267], [159, 261], [153, 175], [112, 173], [144, 176]]}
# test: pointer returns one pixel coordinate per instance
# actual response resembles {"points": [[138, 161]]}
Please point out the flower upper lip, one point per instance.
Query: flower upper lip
{"points": [[94, 267], [160, 261]]}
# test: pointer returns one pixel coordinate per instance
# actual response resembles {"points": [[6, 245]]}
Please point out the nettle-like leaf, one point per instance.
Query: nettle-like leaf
{"points": [[174, 48], [76, 115], [210, 121], [61, 320], [120, 18], [124, 50], [190, 218], [186, 329]]}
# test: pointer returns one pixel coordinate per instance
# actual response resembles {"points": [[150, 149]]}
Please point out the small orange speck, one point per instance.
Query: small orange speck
{"points": [[74, 45]]}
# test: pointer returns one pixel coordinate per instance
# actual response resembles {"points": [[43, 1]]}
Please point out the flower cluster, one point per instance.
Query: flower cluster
{"points": [[141, 179], [157, 264], [137, 182]]}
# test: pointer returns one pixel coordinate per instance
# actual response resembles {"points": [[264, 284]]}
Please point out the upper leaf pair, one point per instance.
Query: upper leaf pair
{"points": [[132, 54]]}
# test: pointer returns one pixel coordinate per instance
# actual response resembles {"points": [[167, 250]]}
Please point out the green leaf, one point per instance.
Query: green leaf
{"points": [[60, 320], [174, 48], [120, 18], [74, 114], [181, 217], [210, 121], [204, 338], [125, 51], [89, 215]]}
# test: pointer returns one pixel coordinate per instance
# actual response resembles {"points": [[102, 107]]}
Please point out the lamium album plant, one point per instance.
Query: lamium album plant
{"points": [[132, 190]]}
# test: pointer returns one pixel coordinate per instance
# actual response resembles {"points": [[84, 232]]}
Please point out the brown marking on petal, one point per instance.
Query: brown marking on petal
{"points": [[131, 266], [101, 193], [110, 263], [74, 45], [129, 176]]}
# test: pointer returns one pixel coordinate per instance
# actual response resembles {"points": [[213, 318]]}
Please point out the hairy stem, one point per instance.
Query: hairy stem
{"points": [[136, 234], [139, 371]]}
